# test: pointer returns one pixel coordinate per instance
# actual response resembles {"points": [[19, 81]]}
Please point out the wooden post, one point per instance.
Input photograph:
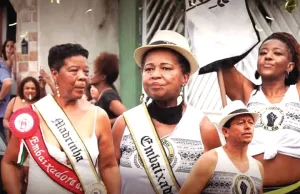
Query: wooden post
{"points": [[222, 87]]}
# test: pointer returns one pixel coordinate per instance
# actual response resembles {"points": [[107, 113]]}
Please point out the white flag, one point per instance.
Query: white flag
{"points": [[221, 31]]}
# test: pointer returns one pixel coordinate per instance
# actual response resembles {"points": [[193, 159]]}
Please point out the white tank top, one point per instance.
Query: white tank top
{"points": [[279, 122], [40, 183], [227, 179], [183, 147]]}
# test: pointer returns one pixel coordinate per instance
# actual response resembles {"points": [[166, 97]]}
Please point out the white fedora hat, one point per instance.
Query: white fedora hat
{"points": [[172, 40], [233, 109]]}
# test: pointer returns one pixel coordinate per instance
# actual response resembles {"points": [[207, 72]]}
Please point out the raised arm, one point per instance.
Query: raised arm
{"points": [[200, 174], [47, 80], [108, 165], [237, 86], [10, 170], [5, 89], [209, 134], [118, 130]]}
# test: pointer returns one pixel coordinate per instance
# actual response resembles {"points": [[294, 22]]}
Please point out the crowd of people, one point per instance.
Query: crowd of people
{"points": [[81, 139]]}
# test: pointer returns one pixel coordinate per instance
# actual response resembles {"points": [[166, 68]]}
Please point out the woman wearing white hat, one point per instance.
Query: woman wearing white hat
{"points": [[157, 144]]}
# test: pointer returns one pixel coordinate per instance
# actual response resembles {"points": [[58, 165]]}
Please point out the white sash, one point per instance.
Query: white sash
{"points": [[150, 150], [72, 144]]}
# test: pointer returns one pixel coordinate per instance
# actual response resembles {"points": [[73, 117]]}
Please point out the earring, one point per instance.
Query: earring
{"points": [[142, 98], [180, 97], [57, 90], [23, 101], [256, 74]]}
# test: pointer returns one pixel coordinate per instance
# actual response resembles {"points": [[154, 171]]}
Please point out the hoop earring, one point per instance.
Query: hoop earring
{"points": [[57, 90], [180, 99], [256, 74], [142, 98]]}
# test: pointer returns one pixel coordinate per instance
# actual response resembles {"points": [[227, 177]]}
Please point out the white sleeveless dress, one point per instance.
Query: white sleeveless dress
{"points": [[40, 183], [227, 179], [183, 147], [278, 128]]}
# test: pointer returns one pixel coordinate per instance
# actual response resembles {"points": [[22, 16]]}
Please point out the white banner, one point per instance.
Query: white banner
{"points": [[220, 29]]}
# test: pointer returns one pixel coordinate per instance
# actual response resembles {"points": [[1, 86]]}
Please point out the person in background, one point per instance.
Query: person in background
{"points": [[106, 72], [45, 79], [228, 169], [276, 142], [87, 94], [5, 87], [8, 55], [28, 93], [94, 93], [9, 58]]}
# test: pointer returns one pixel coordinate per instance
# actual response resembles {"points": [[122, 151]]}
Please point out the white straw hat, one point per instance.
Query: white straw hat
{"points": [[233, 109], [172, 40]]}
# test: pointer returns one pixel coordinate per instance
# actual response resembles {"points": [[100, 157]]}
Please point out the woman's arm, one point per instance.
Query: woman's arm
{"points": [[108, 165], [8, 113], [47, 80], [10, 170], [237, 86], [118, 130], [209, 134], [117, 108]]}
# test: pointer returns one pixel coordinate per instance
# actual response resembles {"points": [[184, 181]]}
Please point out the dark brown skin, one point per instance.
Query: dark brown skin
{"points": [[162, 81], [274, 61], [72, 79]]}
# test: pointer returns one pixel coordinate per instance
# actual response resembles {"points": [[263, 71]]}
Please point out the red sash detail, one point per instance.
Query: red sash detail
{"points": [[59, 173]]}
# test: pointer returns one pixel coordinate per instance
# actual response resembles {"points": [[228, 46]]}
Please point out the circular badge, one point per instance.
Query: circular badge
{"points": [[96, 188], [271, 118], [243, 184], [24, 122]]}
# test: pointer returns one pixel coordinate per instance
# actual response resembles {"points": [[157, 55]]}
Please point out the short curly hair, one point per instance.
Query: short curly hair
{"points": [[58, 54], [107, 64], [37, 88]]}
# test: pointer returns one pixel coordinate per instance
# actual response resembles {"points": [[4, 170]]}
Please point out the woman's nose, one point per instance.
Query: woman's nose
{"points": [[156, 73]]}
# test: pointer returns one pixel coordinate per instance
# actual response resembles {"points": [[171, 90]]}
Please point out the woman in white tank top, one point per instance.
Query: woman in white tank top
{"points": [[66, 155], [182, 131], [276, 142]]}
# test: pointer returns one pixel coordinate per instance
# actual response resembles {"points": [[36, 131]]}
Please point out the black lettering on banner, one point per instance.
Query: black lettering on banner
{"points": [[194, 3], [146, 142], [220, 3], [76, 152]]}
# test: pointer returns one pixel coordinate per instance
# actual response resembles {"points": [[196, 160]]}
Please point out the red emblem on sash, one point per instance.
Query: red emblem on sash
{"points": [[24, 122]]}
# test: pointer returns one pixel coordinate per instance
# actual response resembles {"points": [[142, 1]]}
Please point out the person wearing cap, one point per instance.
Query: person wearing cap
{"points": [[158, 142], [229, 169], [276, 143]]}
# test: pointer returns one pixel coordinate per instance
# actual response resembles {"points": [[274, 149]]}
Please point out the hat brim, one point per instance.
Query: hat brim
{"points": [[225, 119], [139, 53]]}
